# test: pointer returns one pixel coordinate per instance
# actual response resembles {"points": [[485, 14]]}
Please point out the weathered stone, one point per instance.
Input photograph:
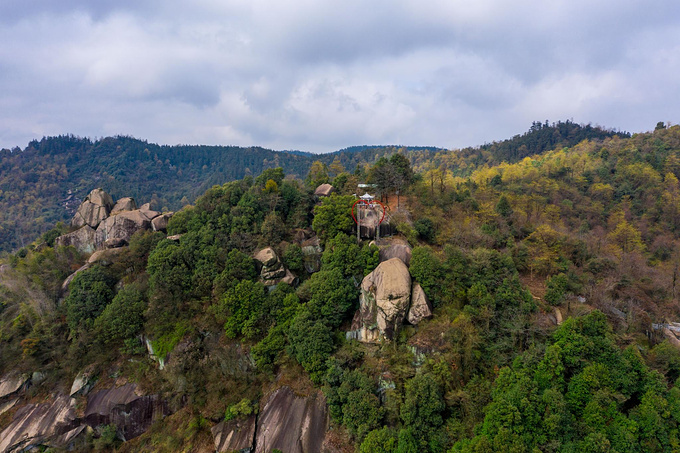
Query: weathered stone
{"points": [[311, 254], [83, 239], [93, 210], [121, 226], [558, 316], [105, 257], [12, 383], [401, 251], [160, 223], [115, 243], [292, 424], [7, 404], [147, 211], [384, 301], [324, 190], [83, 382], [35, 424], [267, 257], [234, 435], [124, 204], [174, 237], [289, 278], [420, 306], [124, 407]]}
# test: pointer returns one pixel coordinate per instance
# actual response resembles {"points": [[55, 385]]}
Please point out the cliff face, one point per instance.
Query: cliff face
{"points": [[56, 424]]}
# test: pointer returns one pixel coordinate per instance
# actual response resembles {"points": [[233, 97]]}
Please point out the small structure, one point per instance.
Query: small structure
{"points": [[368, 214]]}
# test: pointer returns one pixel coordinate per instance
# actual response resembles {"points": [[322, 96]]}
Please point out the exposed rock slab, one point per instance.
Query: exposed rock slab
{"points": [[420, 306], [401, 251], [93, 210], [35, 424], [292, 424], [121, 226], [234, 435], [82, 239], [105, 257], [132, 413], [124, 204], [311, 254], [147, 211], [384, 301], [160, 223], [83, 382], [324, 190], [12, 383]]}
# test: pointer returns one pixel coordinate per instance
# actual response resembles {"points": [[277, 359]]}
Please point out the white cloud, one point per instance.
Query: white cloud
{"points": [[321, 75]]}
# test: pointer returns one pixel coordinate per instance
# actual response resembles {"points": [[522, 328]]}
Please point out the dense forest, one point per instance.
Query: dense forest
{"points": [[43, 183], [552, 276]]}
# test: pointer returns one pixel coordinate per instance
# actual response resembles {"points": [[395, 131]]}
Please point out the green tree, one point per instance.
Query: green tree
{"points": [[89, 293], [123, 317], [333, 216]]}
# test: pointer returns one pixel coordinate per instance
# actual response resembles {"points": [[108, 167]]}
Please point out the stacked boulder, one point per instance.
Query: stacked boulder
{"points": [[388, 298], [272, 270], [103, 224]]}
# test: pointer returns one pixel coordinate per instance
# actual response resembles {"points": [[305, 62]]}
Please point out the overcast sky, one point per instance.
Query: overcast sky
{"points": [[320, 75]]}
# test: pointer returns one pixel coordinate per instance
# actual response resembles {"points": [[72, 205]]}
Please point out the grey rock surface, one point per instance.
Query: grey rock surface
{"points": [[234, 435], [93, 210], [82, 239], [420, 306], [311, 254], [324, 190], [124, 204], [160, 223], [291, 423], [121, 226], [384, 301]]}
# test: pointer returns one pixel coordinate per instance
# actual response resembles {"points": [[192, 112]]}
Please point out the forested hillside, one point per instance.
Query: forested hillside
{"points": [[44, 183], [552, 279]]}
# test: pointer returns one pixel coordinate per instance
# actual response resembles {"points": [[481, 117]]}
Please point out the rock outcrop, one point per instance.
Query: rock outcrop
{"points": [[324, 190], [420, 306], [160, 223], [132, 412], [39, 424], [292, 424], [384, 301], [311, 254], [234, 435], [272, 270], [82, 239], [105, 225], [93, 210], [121, 227], [396, 250], [11, 384], [56, 424], [124, 204]]}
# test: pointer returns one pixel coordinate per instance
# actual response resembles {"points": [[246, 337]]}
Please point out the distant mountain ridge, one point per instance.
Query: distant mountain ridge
{"points": [[42, 184]]}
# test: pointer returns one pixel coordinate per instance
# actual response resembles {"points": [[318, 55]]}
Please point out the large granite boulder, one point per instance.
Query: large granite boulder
{"points": [[121, 226], [324, 190], [311, 254], [272, 270], [397, 250], [160, 223], [93, 210], [83, 239], [384, 302], [12, 383], [291, 423], [124, 204], [234, 435], [420, 306]]}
